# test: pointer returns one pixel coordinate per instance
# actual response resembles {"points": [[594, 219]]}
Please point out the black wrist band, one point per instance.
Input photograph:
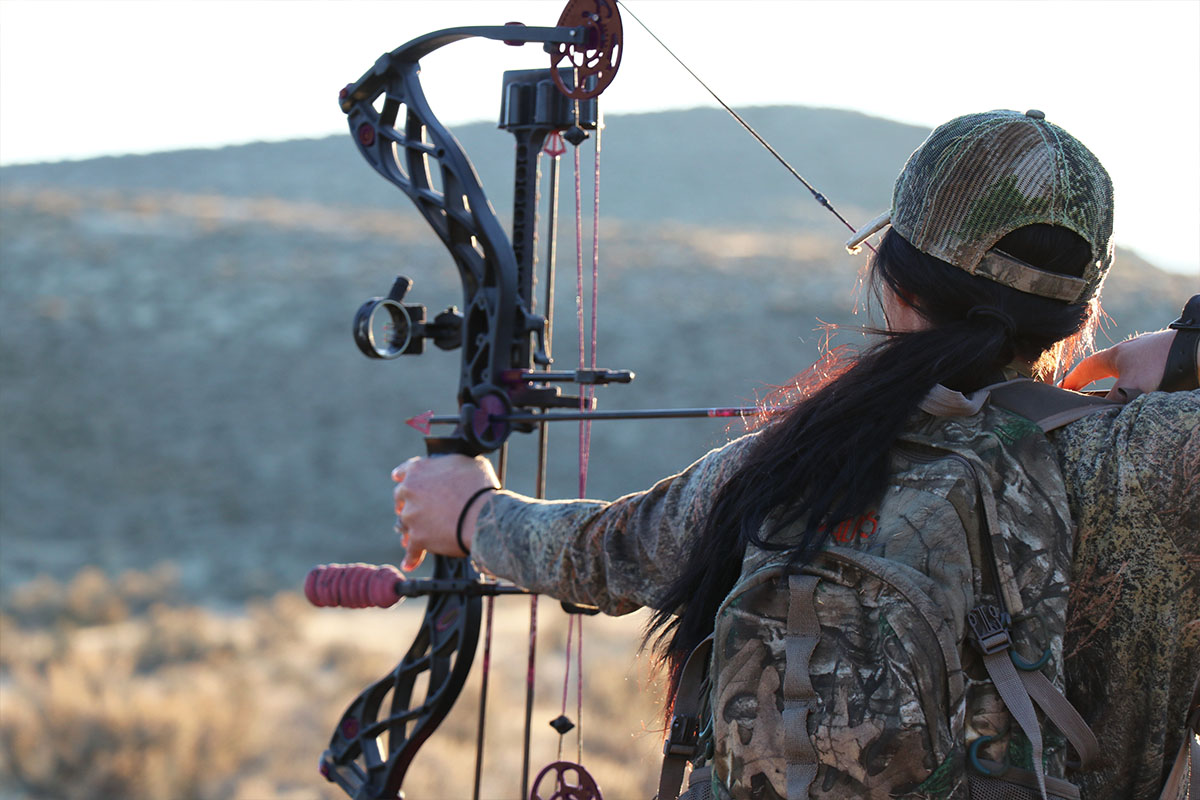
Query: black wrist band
{"points": [[1189, 318], [1180, 372], [462, 516]]}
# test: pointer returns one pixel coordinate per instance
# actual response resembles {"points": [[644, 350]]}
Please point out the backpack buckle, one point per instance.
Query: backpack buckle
{"points": [[989, 629], [685, 733]]}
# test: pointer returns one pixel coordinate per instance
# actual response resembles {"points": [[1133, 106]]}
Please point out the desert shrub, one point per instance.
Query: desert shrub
{"points": [[101, 704], [86, 724], [90, 597], [173, 702]]}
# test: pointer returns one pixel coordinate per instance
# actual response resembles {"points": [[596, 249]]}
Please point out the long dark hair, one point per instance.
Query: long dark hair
{"points": [[825, 459]]}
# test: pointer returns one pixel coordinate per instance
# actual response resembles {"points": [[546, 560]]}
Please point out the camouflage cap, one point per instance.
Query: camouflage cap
{"points": [[982, 176]]}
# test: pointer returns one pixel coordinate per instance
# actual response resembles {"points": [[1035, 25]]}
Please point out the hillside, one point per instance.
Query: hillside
{"points": [[179, 381], [706, 170]]}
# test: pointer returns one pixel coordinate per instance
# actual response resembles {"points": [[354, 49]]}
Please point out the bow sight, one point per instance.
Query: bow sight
{"points": [[385, 327]]}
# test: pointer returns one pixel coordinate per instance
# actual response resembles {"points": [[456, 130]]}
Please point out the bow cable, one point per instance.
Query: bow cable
{"points": [[587, 356], [553, 148]]}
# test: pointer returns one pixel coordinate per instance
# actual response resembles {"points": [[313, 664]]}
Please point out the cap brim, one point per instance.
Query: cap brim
{"points": [[853, 244]]}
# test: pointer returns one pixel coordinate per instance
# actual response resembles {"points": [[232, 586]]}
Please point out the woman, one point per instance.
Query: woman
{"points": [[999, 242]]}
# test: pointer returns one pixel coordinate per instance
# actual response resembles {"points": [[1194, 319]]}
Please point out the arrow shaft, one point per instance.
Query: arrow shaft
{"points": [[644, 413]]}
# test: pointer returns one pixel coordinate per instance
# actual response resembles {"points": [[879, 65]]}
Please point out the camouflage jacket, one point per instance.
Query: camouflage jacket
{"points": [[1132, 647]]}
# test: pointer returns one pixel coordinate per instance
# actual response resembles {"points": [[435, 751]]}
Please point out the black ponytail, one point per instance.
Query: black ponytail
{"points": [[825, 459]]}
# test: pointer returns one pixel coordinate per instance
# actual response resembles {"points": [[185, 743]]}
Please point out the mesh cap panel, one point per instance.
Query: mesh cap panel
{"points": [[982, 176]]}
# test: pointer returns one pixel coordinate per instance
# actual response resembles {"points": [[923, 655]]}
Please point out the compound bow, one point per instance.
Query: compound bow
{"points": [[505, 383]]}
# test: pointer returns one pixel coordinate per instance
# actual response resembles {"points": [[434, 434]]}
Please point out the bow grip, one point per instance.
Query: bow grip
{"points": [[449, 445]]}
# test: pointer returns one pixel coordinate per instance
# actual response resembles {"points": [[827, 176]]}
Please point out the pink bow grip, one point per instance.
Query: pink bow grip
{"points": [[352, 585]]}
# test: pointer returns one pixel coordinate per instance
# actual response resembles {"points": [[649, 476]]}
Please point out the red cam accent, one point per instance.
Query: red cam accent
{"points": [[555, 146], [366, 134], [513, 42]]}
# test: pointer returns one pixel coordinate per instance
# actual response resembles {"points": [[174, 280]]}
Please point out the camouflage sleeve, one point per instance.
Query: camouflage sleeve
{"points": [[1138, 466], [1133, 626], [618, 556]]}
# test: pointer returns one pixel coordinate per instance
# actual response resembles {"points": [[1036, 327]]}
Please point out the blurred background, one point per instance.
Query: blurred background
{"points": [[187, 427]]}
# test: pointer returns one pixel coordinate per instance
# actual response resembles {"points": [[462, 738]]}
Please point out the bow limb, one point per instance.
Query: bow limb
{"points": [[379, 734]]}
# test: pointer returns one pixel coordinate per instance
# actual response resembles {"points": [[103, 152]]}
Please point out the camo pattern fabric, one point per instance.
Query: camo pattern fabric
{"points": [[1133, 632], [898, 695], [887, 687], [1131, 650], [616, 556]]}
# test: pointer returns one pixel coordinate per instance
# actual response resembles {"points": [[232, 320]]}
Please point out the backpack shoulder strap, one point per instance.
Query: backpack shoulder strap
{"points": [[1184, 780], [680, 746], [1049, 407]]}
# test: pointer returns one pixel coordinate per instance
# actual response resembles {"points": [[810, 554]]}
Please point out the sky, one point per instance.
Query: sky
{"points": [[105, 77]]}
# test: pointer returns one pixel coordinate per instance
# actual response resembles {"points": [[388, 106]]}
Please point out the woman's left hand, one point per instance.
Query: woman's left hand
{"points": [[1137, 363], [429, 496]]}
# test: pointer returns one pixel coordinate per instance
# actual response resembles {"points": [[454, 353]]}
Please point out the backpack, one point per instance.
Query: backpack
{"points": [[851, 676]]}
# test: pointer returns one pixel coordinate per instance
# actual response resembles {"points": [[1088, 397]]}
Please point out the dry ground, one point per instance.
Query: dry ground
{"points": [[108, 690]]}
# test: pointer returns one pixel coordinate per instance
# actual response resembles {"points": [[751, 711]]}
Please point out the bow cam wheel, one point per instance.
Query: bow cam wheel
{"points": [[564, 780], [595, 62]]}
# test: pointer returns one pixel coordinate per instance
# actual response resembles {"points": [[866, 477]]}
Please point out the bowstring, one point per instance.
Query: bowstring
{"points": [[566, 677], [584, 396], [585, 452], [587, 359], [483, 693], [818, 196], [579, 694]]}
